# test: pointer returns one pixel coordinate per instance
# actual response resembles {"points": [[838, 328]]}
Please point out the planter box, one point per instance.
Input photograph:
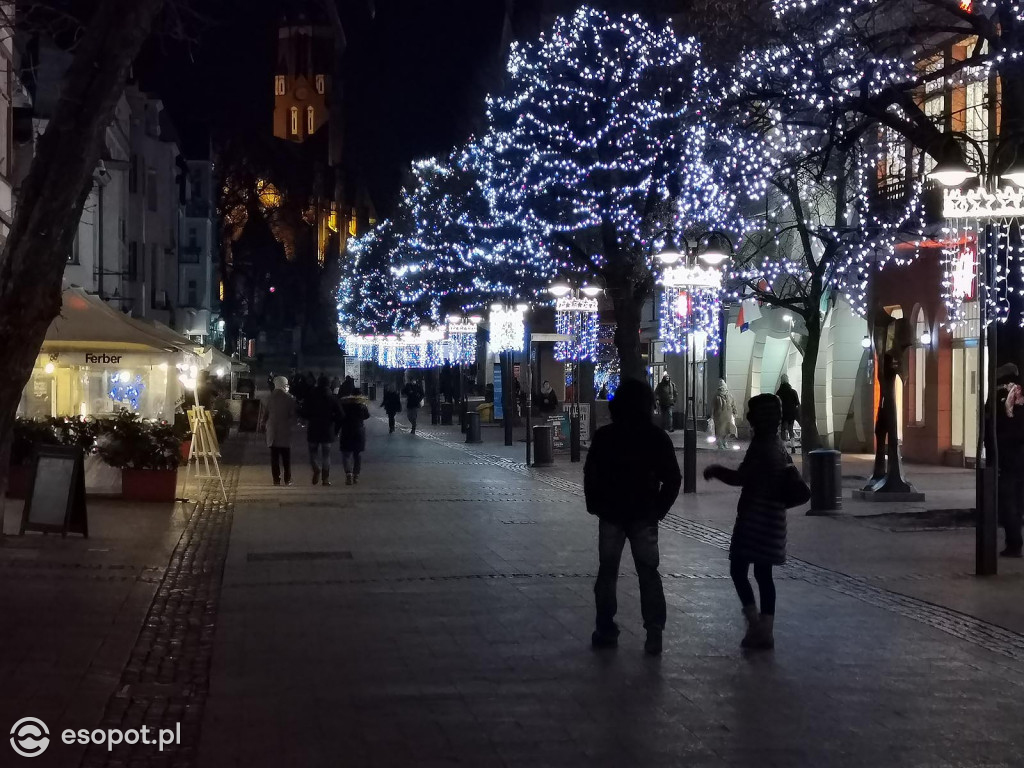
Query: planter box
{"points": [[17, 481], [149, 485]]}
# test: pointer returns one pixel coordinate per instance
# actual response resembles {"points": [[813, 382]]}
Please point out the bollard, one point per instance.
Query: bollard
{"points": [[446, 414], [826, 473], [473, 427], [435, 412], [543, 446]]}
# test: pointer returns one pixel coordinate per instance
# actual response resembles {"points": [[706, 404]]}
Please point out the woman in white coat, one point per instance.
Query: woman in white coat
{"points": [[724, 413]]}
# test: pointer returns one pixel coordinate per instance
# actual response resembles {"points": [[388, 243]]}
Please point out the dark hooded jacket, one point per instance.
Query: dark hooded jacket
{"points": [[321, 413], [759, 534], [353, 428], [790, 401], [631, 474]]}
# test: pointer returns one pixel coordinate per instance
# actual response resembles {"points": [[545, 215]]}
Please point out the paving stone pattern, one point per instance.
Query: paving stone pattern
{"points": [[965, 627], [457, 634], [166, 680]]}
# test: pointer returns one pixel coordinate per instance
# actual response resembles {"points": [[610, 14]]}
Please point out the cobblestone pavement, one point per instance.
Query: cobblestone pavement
{"points": [[439, 614], [166, 679]]}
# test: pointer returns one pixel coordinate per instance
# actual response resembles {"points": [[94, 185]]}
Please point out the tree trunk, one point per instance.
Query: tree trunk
{"points": [[51, 199], [809, 438], [628, 302]]}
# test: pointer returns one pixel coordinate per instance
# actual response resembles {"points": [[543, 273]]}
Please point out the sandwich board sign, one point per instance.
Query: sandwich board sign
{"points": [[55, 502]]}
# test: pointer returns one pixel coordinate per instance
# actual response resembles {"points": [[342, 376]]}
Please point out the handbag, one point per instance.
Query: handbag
{"points": [[794, 490]]}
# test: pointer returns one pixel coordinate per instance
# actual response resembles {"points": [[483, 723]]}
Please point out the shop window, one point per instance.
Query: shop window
{"points": [[922, 343], [295, 121], [310, 120], [279, 89]]}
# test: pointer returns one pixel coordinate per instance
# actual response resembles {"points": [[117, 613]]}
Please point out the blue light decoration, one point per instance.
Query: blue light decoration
{"points": [[123, 390], [461, 343], [691, 307], [576, 317]]}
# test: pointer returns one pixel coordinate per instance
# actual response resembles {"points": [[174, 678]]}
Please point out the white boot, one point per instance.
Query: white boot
{"points": [[753, 625]]}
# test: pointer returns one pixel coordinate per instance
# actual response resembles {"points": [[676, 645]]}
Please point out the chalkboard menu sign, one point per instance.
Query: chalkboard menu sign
{"points": [[55, 502]]}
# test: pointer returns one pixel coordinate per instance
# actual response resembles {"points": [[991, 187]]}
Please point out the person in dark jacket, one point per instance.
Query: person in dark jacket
{"points": [[353, 436], [392, 404], [413, 392], [322, 415], [348, 387], [547, 400], [759, 534], [1009, 439], [790, 408], [631, 479], [665, 393]]}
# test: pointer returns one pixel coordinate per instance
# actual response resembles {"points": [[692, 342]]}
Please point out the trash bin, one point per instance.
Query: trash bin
{"points": [[473, 427], [826, 471], [447, 409], [543, 446]]}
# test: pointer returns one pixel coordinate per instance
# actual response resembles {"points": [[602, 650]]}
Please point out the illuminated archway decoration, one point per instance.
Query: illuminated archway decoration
{"points": [[690, 309], [576, 317]]}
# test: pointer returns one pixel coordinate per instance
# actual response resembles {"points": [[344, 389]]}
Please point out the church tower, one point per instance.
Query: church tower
{"points": [[302, 77]]}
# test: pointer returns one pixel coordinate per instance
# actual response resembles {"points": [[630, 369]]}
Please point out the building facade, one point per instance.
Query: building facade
{"points": [[302, 78]]}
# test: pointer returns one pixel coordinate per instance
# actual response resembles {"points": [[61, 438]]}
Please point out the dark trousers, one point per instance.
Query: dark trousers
{"points": [[1011, 507], [643, 542], [391, 421], [765, 584], [279, 456], [352, 461], [788, 433], [320, 458]]}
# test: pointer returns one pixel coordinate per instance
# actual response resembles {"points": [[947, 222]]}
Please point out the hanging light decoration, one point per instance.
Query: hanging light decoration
{"points": [[576, 317], [508, 328], [690, 308], [461, 341]]}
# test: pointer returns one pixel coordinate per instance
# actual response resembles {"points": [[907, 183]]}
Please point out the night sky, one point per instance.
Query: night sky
{"points": [[416, 75]]}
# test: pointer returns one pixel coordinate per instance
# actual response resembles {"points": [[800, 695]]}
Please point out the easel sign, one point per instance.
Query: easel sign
{"points": [[55, 502], [205, 450]]}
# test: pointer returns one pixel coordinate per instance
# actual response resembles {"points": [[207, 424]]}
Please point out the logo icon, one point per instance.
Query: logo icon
{"points": [[30, 737]]}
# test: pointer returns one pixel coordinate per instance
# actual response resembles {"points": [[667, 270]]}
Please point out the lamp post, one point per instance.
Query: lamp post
{"points": [[713, 250], [984, 204], [578, 306]]}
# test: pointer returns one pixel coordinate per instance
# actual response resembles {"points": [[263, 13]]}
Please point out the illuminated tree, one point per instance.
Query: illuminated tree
{"points": [[587, 149]]}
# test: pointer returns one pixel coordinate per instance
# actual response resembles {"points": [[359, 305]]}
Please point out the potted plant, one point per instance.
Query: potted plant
{"points": [[147, 453], [184, 434]]}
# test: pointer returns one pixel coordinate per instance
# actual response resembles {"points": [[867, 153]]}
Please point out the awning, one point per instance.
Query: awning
{"points": [[87, 323], [168, 334]]}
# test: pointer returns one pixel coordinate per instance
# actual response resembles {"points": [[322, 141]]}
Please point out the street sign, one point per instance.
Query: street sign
{"points": [[540, 338]]}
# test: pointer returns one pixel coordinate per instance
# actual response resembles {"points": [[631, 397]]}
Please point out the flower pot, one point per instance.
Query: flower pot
{"points": [[186, 448], [149, 485], [17, 481]]}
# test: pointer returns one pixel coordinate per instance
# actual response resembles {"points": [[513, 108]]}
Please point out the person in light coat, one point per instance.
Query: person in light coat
{"points": [[724, 414], [280, 418]]}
